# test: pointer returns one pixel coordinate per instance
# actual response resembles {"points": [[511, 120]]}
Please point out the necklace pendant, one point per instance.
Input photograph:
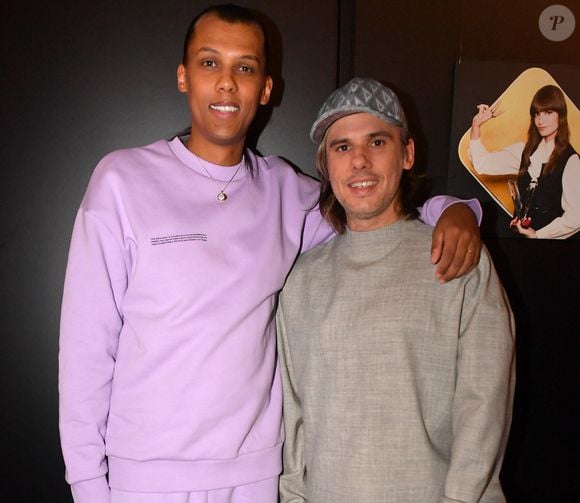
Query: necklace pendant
{"points": [[221, 197]]}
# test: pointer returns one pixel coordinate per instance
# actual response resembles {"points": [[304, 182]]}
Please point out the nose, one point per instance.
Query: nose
{"points": [[227, 82], [360, 158], [541, 118]]}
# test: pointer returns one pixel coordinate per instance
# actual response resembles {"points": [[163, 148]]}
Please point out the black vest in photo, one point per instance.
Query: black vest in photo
{"points": [[546, 203]]}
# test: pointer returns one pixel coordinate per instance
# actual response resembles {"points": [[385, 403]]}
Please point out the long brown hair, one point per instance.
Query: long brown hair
{"points": [[547, 98]]}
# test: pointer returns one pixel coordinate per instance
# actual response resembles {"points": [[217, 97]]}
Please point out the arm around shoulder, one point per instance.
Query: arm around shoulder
{"points": [[456, 242], [435, 206]]}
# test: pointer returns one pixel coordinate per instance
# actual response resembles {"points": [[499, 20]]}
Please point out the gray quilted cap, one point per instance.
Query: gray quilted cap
{"points": [[359, 95]]}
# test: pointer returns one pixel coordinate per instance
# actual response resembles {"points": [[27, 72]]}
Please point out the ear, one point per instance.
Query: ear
{"points": [[409, 154], [181, 81], [265, 98]]}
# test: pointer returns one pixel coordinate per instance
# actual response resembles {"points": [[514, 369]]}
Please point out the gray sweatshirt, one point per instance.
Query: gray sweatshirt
{"points": [[396, 388]]}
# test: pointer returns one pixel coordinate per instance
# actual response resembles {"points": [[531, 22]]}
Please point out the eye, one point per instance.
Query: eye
{"points": [[208, 63], [377, 142], [342, 148], [246, 69]]}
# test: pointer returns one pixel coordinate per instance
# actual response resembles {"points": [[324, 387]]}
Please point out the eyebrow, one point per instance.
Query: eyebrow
{"points": [[370, 136], [252, 57]]}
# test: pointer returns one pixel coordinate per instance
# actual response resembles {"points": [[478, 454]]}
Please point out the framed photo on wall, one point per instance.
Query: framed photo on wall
{"points": [[514, 145]]}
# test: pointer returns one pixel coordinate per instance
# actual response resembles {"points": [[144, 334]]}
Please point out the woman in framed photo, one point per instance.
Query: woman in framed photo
{"points": [[546, 165]]}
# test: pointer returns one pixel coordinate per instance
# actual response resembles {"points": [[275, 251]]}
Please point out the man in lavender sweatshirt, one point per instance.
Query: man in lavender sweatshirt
{"points": [[169, 387]]}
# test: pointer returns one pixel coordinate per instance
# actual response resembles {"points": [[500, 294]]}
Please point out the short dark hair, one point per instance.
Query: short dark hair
{"points": [[229, 13], [332, 210]]}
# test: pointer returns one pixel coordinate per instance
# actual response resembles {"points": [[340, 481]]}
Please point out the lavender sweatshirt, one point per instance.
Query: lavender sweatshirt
{"points": [[168, 373]]}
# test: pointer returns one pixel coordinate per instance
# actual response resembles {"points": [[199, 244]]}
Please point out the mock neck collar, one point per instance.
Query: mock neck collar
{"points": [[375, 244]]}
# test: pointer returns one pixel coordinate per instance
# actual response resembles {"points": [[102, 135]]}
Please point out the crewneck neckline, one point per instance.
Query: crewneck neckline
{"points": [[371, 245], [196, 163]]}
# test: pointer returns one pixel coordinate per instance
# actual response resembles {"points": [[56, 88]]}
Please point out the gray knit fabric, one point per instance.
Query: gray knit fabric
{"points": [[397, 388]]}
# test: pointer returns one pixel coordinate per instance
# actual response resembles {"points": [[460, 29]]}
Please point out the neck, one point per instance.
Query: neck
{"points": [[223, 155], [389, 216], [364, 225]]}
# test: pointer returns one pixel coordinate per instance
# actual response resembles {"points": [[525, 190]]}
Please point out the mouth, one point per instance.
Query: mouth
{"points": [[365, 184], [222, 108]]}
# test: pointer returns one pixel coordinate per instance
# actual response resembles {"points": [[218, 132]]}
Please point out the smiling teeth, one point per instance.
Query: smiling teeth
{"points": [[224, 108], [362, 185]]}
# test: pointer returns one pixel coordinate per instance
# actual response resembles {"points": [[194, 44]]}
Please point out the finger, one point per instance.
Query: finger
{"points": [[481, 109], [448, 263], [484, 113], [525, 231], [462, 258], [495, 109], [436, 246], [471, 259]]}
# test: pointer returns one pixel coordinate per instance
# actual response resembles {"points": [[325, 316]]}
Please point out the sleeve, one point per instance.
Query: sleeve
{"points": [[502, 162], [316, 230], [434, 207], [96, 490], [569, 223], [91, 320], [484, 389], [293, 478]]}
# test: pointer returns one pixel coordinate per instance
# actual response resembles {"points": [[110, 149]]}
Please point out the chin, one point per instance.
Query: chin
{"points": [[229, 140]]}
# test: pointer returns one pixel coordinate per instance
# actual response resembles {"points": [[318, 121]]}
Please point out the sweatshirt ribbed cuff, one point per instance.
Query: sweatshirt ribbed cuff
{"points": [[91, 491]]}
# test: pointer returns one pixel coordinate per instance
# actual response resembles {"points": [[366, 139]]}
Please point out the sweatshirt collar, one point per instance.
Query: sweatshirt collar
{"points": [[196, 163]]}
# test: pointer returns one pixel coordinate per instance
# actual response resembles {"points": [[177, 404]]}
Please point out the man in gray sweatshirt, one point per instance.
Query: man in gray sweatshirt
{"points": [[397, 388]]}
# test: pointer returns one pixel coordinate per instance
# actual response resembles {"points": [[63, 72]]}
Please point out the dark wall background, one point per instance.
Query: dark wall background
{"points": [[79, 79]]}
